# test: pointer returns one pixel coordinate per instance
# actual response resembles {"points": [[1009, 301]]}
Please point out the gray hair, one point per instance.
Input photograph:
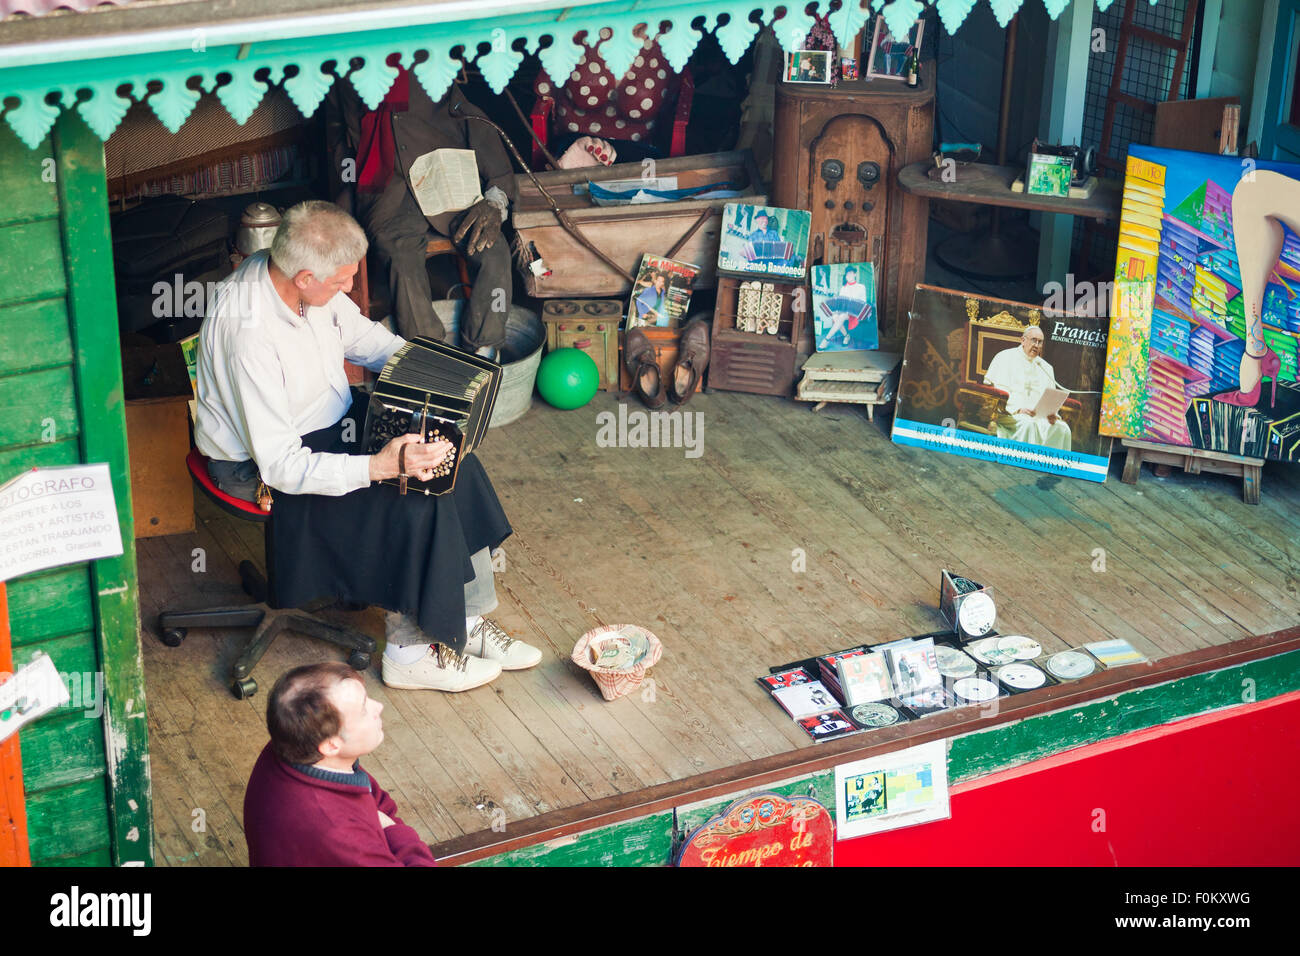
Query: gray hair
{"points": [[318, 237]]}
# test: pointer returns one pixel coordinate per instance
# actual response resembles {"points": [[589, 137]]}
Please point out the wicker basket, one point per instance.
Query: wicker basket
{"points": [[615, 683]]}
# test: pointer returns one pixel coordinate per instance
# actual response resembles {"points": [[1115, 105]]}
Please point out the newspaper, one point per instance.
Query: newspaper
{"points": [[1050, 402], [445, 180]]}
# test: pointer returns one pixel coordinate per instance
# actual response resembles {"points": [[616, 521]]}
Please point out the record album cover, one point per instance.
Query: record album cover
{"points": [[764, 240], [834, 723]]}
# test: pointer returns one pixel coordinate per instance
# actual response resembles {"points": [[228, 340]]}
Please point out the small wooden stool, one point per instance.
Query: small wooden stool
{"points": [[1194, 461]]}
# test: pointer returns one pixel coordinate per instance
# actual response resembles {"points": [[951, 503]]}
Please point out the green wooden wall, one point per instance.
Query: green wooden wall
{"points": [[85, 767]]}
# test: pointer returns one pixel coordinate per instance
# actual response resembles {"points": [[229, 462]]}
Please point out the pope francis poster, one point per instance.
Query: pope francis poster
{"points": [[1003, 381]]}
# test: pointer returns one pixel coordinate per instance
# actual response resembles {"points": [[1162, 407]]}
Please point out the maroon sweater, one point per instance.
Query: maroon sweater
{"points": [[294, 819]]}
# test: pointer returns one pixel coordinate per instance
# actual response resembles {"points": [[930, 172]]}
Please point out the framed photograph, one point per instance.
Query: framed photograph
{"points": [[808, 66], [844, 307], [764, 240], [889, 55]]}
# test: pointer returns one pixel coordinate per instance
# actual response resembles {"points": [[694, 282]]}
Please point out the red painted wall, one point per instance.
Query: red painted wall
{"points": [[1215, 790]]}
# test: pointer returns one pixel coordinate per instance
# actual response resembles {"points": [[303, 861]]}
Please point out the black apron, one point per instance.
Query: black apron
{"points": [[407, 553]]}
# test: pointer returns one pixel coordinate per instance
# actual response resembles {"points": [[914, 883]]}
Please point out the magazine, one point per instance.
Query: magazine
{"points": [[661, 293]]}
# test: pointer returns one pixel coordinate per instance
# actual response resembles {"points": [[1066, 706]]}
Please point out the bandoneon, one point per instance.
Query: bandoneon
{"points": [[431, 389]]}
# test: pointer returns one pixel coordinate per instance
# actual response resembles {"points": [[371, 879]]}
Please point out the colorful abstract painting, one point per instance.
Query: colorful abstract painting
{"points": [[1205, 313]]}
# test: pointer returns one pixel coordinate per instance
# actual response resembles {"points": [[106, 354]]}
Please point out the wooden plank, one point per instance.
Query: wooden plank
{"points": [[67, 746], [88, 258], [50, 604], [43, 455], [31, 263], [36, 336], [62, 750], [69, 821], [29, 178], [38, 406], [991, 186]]}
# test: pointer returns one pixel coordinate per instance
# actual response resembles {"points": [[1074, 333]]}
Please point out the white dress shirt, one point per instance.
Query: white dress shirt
{"points": [[267, 376]]}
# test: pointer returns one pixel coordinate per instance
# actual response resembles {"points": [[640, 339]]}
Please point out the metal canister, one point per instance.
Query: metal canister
{"points": [[256, 228]]}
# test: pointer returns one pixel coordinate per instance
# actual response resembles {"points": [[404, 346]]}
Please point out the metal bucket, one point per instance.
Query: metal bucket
{"points": [[520, 356]]}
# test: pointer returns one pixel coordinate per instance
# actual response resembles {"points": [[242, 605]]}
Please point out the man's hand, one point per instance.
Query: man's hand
{"points": [[421, 458], [385, 820], [479, 226], [1026, 411]]}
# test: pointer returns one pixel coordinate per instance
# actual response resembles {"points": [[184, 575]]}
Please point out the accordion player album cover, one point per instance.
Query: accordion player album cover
{"points": [[844, 306], [764, 240], [1003, 381]]}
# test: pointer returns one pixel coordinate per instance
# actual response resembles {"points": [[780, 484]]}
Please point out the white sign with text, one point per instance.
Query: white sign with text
{"points": [[55, 516]]}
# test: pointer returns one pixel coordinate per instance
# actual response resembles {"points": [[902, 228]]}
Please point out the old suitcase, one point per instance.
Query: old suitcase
{"points": [[590, 325], [626, 233]]}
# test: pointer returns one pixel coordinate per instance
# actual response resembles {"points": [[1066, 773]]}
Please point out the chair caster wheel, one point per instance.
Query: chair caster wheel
{"points": [[359, 660], [173, 636], [244, 689]]}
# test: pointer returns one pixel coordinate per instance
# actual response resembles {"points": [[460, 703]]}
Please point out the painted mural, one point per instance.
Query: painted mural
{"points": [[1205, 312]]}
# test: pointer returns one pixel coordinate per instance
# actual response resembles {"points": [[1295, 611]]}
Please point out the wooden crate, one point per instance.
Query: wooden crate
{"points": [[667, 343], [626, 233], [590, 325]]}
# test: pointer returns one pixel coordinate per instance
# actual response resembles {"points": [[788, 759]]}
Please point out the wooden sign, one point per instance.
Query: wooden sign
{"points": [[764, 829]]}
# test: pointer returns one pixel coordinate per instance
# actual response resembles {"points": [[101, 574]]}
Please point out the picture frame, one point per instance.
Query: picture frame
{"points": [[888, 54], [809, 66]]}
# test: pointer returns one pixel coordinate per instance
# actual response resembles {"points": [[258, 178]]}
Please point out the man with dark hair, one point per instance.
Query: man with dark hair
{"points": [[308, 801]]}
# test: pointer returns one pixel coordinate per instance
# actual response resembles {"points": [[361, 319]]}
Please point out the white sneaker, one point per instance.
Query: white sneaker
{"points": [[440, 668], [489, 643]]}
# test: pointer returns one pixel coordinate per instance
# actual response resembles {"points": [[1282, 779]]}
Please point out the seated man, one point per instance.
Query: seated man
{"points": [[272, 390], [308, 802], [1024, 375]]}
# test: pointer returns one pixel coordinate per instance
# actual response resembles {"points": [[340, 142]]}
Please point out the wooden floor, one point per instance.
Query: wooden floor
{"points": [[795, 533]]}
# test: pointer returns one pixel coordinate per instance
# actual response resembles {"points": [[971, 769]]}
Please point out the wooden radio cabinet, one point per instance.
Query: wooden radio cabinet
{"points": [[837, 153]]}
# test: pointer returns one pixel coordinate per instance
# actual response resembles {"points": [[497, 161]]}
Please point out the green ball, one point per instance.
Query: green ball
{"points": [[568, 378]]}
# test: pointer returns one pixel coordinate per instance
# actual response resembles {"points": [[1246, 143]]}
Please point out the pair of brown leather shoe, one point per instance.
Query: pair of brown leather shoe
{"points": [[639, 357], [692, 360]]}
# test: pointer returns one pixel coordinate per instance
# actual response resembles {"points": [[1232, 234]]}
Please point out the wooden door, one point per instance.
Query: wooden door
{"points": [[853, 164]]}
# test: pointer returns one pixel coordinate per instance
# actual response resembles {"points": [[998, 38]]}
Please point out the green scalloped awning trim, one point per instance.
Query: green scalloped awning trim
{"points": [[170, 81]]}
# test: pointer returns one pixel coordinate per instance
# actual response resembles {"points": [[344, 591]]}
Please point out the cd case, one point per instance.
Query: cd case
{"points": [[828, 725]]}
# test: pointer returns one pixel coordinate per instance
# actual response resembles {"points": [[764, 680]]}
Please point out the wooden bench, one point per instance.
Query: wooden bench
{"points": [[1194, 461]]}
